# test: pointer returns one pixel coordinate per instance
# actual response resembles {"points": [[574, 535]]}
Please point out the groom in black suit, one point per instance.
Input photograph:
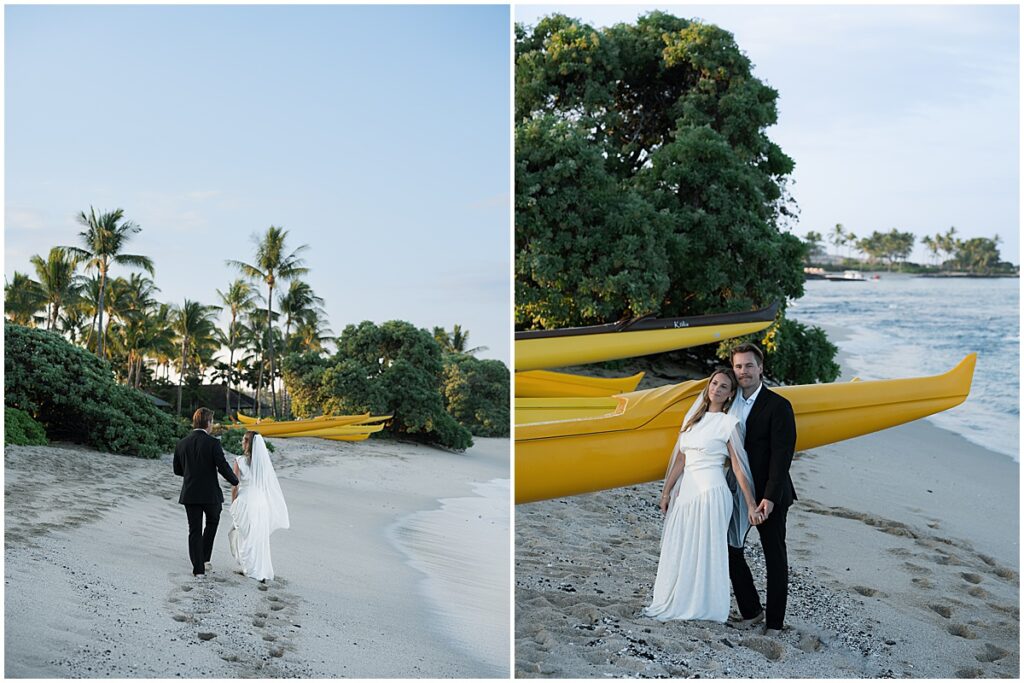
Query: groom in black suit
{"points": [[198, 457], [770, 441]]}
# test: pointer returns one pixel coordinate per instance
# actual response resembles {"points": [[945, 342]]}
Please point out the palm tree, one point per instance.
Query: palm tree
{"points": [[72, 322], [313, 333], [240, 297], [455, 341], [272, 265], [933, 247], [194, 324], [838, 237], [134, 311], [23, 297], [104, 237], [298, 303], [57, 280]]}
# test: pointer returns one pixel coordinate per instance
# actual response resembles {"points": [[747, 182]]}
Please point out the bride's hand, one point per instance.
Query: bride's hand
{"points": [[754, 517], [663, 505]]}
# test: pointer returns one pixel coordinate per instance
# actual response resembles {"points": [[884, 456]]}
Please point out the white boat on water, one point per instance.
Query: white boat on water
{"points": [[848, 276]]}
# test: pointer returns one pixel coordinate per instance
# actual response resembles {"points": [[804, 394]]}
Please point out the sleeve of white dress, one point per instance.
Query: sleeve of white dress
{"points": [[739, 524]]}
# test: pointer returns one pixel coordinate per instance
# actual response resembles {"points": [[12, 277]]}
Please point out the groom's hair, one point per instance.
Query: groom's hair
{"points": [[202, 418], [747, 348]]}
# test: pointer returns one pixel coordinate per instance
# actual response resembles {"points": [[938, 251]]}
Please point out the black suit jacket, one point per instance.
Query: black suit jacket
{"points": [[770, 442], [197, 458]]}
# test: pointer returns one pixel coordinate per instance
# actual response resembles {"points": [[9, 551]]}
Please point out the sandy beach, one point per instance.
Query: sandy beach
{"points": [[98, 582], [903, 552]]}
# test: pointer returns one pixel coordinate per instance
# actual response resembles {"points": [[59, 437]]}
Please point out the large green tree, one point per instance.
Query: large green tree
{"points": [[645, 178]]}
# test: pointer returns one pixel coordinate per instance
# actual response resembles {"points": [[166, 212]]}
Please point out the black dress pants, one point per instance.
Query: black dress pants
{"points": [[200, 540], [773, 542]]}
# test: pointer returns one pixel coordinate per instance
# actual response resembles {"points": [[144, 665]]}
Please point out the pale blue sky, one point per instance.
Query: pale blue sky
{"points": [[379, 136], [896, 116]]}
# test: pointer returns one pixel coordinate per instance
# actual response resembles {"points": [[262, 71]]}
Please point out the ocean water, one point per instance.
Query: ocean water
{"points": [[906, 326], [462, 549]]}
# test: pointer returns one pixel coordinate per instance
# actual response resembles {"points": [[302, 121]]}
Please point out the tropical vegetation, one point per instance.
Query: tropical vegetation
{"points": [[646, 182], [948, 253], [105, 337]]}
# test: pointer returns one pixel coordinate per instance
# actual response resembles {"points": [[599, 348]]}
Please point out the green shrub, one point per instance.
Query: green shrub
{"points": [[72, 393], [476, 393], [21, 430], [794, 353]]}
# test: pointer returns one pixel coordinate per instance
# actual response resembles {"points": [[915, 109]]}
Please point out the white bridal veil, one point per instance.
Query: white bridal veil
{"points": [[265, 489], [739, 524]]}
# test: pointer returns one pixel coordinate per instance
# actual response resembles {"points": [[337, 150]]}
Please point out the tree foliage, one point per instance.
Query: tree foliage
{"points": [[392, 368], [21, 430], [476, 394], [645, 180], [72, 393], [889, 246]]}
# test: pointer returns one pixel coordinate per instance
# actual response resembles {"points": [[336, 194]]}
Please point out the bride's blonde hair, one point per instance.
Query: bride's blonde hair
{"points": [[247, 443], [706, 402]]}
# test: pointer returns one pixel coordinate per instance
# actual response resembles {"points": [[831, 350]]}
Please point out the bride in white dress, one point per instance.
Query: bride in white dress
{"points": [[703, 514], [257, 509]]}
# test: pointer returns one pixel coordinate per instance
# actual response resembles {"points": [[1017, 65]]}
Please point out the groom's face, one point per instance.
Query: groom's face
{"points": [[748, 372]]}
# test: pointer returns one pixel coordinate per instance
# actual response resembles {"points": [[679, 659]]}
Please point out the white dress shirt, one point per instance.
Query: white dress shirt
{"points": [[741, 406]]}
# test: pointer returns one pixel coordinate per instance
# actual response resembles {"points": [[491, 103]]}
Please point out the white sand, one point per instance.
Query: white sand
{"points": [[98, 582], [903, 553]]}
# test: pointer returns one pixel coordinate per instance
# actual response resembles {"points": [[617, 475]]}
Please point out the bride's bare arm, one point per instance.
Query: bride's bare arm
{"points": [[672, 477], [741, 477], [234, 489]]}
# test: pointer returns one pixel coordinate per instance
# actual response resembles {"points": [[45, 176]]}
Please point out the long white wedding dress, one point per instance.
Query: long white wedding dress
{"points": [[693, 571], [257, 511]]}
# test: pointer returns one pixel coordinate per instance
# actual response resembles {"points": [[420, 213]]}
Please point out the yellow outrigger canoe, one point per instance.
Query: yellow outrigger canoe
{"points": [[540, 349], [296, 426], [547, 384], [345, 430], [570, 446]]}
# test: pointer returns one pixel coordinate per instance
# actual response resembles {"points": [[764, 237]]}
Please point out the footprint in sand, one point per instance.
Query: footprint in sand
{"points": [[1004, 573], [259, 623], [961, 631], [810, 643], [206, 635], [978, 592], [182, 617], [970, 578], [187, 588], [991, 653], [922, 583], [262, 587], [767, 647], [916, 568], [969, 672], [865, 591], [942, 610]]}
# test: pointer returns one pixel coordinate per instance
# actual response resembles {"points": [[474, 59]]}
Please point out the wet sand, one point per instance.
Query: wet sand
{"points": [[98, 582]]}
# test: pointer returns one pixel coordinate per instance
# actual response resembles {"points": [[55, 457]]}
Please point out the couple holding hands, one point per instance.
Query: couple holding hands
{"points": [[738, 422]]}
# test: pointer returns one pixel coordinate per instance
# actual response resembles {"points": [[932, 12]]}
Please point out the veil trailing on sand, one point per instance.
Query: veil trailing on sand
{"points": [[739, 523]]}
